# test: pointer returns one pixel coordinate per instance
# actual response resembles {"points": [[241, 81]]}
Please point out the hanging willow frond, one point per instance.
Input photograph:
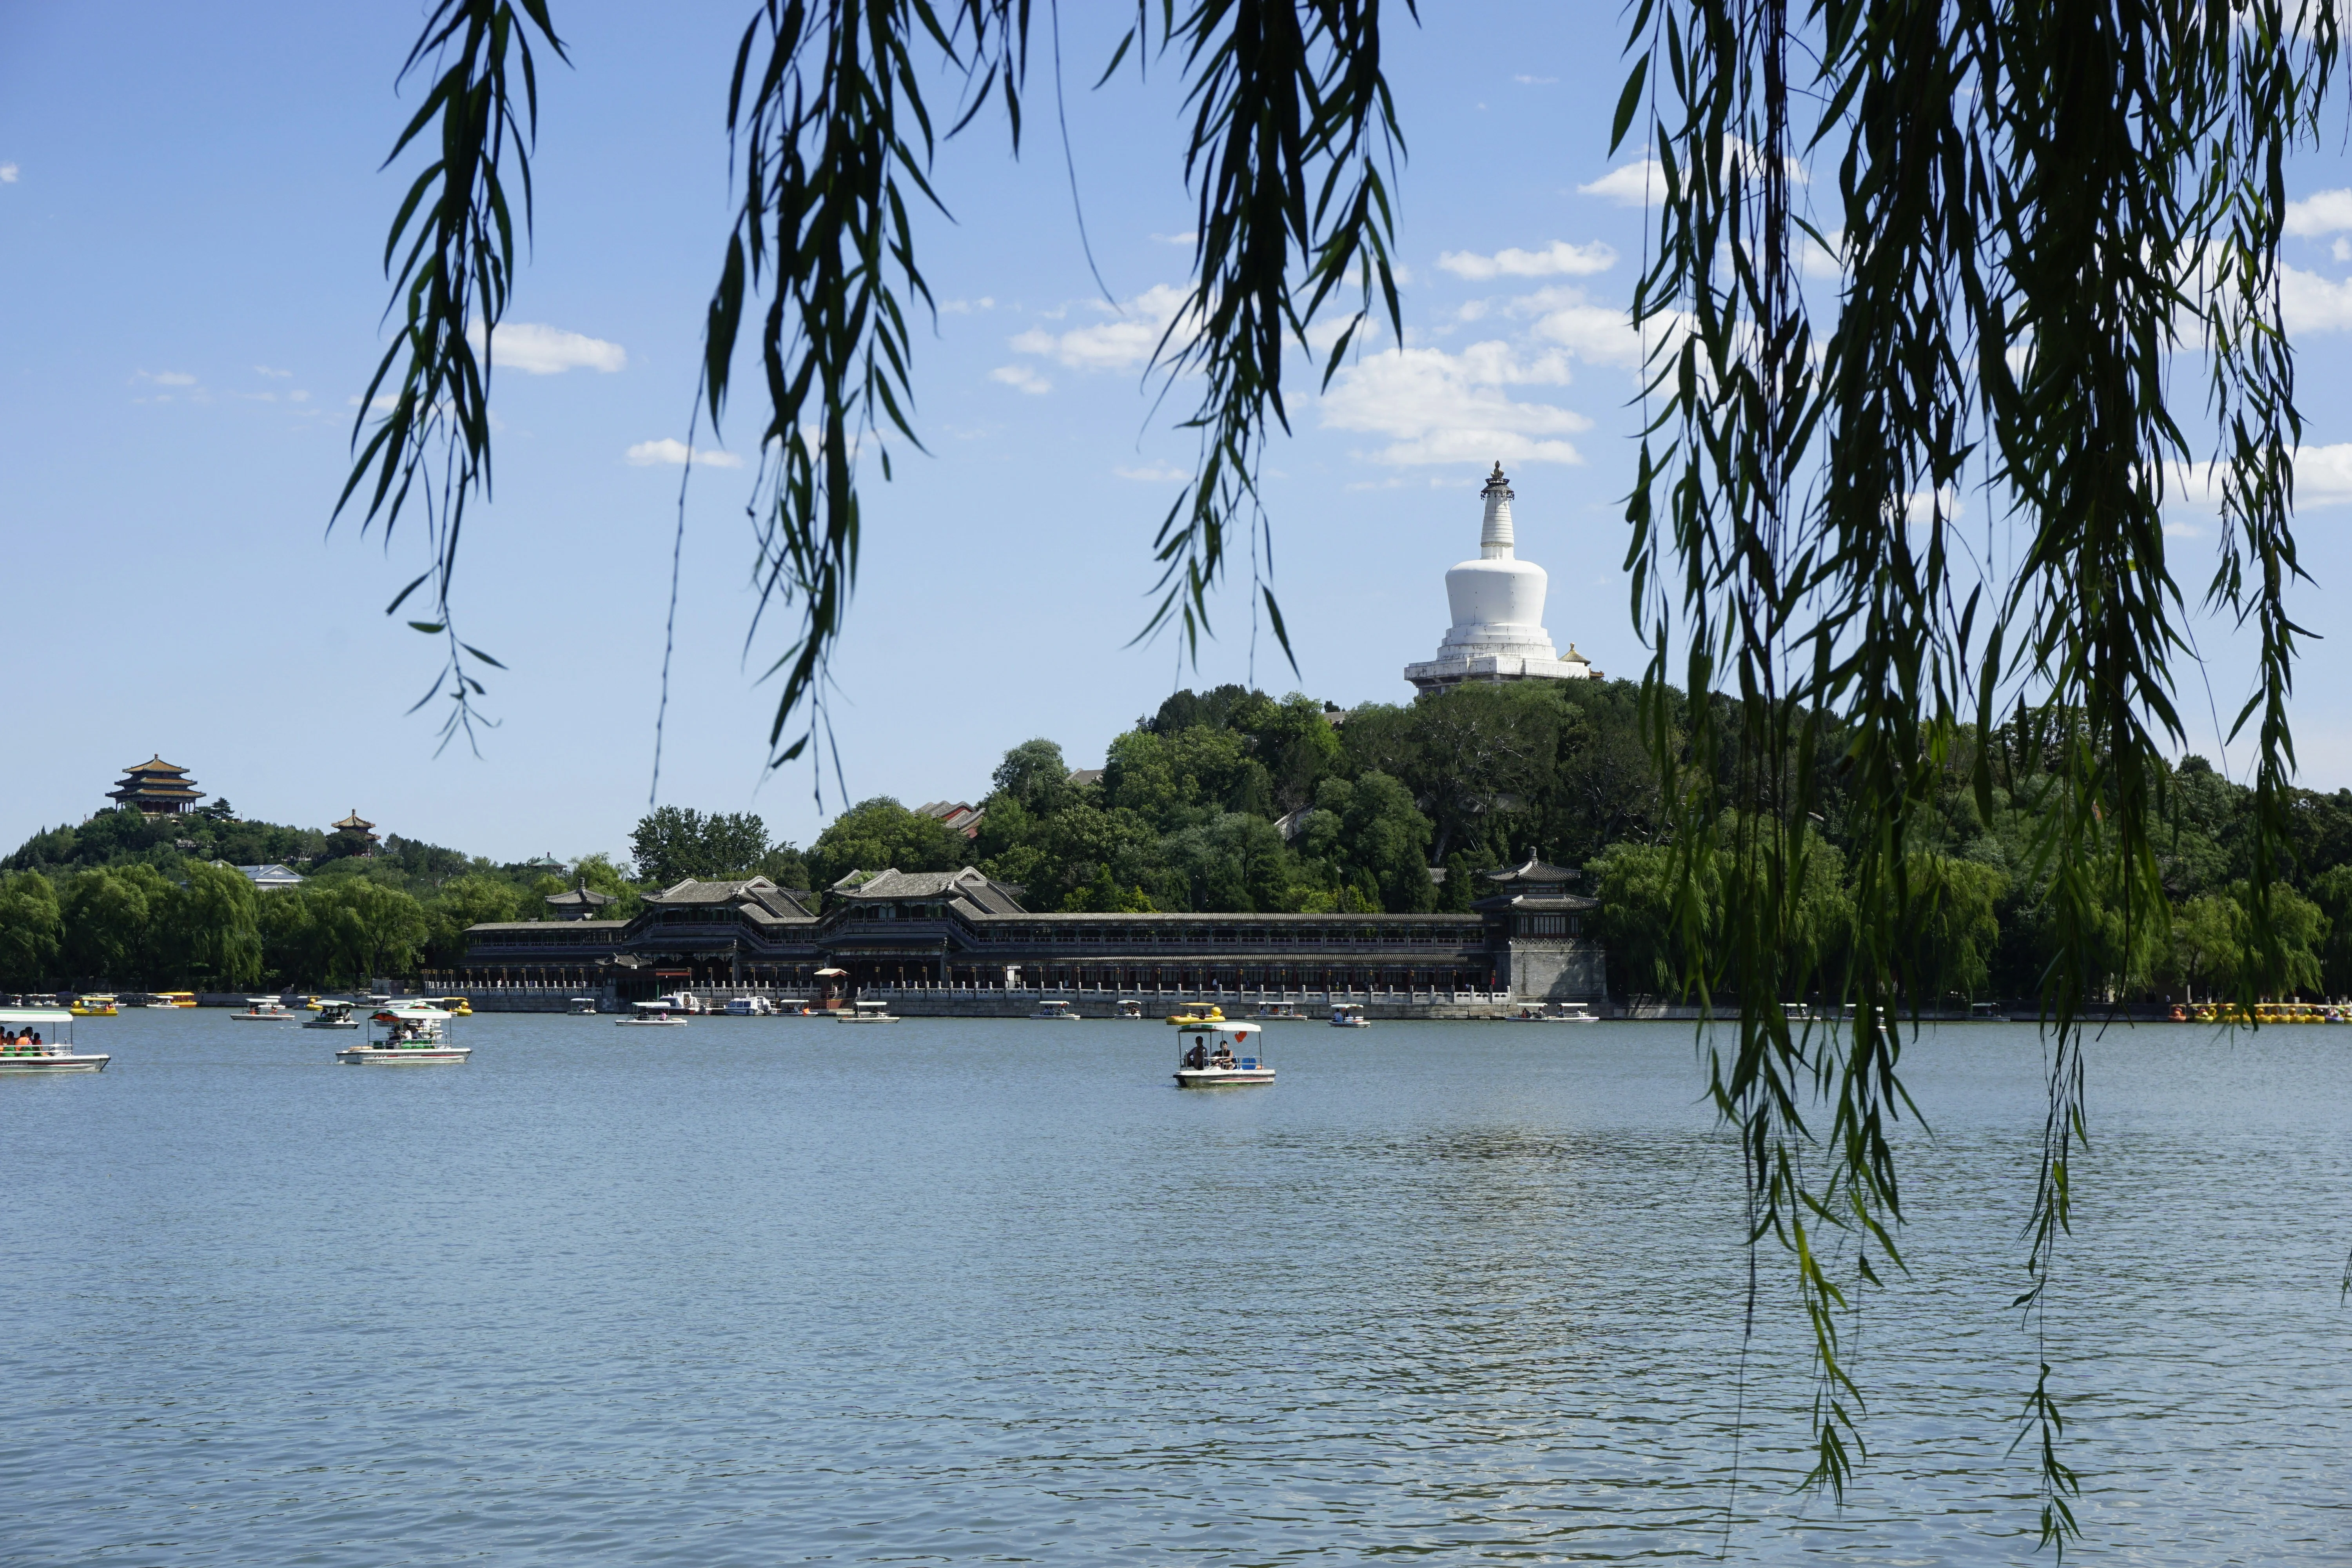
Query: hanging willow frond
{"points": [[2037, 210], [452, 283], [1293, 126]]}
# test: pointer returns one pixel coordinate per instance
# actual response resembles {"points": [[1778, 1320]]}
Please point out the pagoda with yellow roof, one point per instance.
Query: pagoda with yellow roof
{"points": [[358, 827], [156, 788]]}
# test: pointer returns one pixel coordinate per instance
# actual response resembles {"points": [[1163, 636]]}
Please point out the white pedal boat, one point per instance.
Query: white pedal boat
{"points": [[412, 1036], [1220, 1056]]}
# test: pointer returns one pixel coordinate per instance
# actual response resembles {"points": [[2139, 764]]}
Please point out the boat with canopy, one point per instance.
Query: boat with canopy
{"points": [[410, 1037], [1220, 1056], [41, 1039]]}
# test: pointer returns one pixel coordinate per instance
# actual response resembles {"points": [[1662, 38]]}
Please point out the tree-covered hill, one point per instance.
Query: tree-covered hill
{"points": [[1224, 800]]}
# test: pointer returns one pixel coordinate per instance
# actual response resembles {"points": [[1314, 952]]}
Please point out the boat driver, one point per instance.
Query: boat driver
{"points": [[1224, 1057], [1197, 1057]]}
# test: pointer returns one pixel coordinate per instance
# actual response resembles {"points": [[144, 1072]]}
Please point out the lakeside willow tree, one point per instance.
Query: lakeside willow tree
{"points": [[2040, 217]]}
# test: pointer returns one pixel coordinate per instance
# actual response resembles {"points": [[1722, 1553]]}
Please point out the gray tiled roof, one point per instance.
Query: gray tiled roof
{"points": [[968, 885], [1534, 870]]}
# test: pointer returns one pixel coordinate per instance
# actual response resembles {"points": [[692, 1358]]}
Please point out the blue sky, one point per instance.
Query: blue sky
{"points": [[192, 221]]}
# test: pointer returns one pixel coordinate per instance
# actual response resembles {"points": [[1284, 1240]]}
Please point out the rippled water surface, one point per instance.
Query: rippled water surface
{"points": [[771, 1291]]}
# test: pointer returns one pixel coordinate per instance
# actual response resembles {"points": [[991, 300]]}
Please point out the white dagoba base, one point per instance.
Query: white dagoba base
{"points": [[1437, 674]]}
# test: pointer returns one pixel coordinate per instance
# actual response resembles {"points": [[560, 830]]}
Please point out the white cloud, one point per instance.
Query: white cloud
{"points": [[536, 349], [1630, 184], [166, 377], [1437, 407], [1185, 239], [647, 454], [2341, 249], [264, 370], [2310, 303], [7, 174], [2323, 477], [1643, 181], [1021, 376], [1536, 80], [1560, 257], [1122, 343], [966, 307], [1597, 334], [2329, 212], [1158, 473]]}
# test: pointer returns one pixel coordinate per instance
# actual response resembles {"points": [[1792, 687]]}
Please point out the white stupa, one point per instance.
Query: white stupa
{"points": [[1498, 601]]}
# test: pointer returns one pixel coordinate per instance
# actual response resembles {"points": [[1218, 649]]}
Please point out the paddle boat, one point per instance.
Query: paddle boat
{"points": [[171, 999], [264, 1010], [456, 1006], [52, 1051], [333, 1015], [1274, 1011], [94, 1005], [1220, 1056], [868, 1013], [652, 1014], [1055, 1010], [1130, 1007], [413, 1036], [581, 1007], [1197, 1013], [1349, 1015]]}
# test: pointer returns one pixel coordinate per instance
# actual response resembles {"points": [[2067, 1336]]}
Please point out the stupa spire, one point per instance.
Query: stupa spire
{"points": [[1495, 540]]}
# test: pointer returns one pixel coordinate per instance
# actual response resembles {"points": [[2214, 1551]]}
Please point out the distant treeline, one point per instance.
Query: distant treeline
{"points": [[133, 902], [1225, 800]]}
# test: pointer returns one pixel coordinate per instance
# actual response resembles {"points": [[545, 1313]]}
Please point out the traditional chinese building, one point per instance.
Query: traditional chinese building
{"points": [[358, 827], [578, 903], [156, 788], [1535, 929], [962, 927]]}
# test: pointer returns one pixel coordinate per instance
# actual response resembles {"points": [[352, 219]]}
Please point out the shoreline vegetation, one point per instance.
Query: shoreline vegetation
{"points": [[1223, 800]]}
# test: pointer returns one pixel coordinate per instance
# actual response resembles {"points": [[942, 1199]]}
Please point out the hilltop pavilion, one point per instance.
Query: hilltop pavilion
{"points": [[1498, 601], [156, 788]]}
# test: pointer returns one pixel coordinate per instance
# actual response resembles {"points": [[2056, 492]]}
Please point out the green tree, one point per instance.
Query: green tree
{"points": [[879, 834], [461, 903], [1034, 773], [109, 914], [1385, 838], [32, 930], [210, 930], [1949, 929], [672, 844], [367, 930]]}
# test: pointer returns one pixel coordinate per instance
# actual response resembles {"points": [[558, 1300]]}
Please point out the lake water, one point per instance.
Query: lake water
{"points": [[766, 1291]]}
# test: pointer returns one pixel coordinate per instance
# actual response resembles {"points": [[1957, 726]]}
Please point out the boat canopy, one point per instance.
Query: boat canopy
{"points": [[416, 1014], [35, 1015], [826, 971]]}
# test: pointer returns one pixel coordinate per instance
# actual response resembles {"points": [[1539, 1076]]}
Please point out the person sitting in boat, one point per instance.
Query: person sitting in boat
{"points": [[1198, 1056], [1224, 1057]]}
